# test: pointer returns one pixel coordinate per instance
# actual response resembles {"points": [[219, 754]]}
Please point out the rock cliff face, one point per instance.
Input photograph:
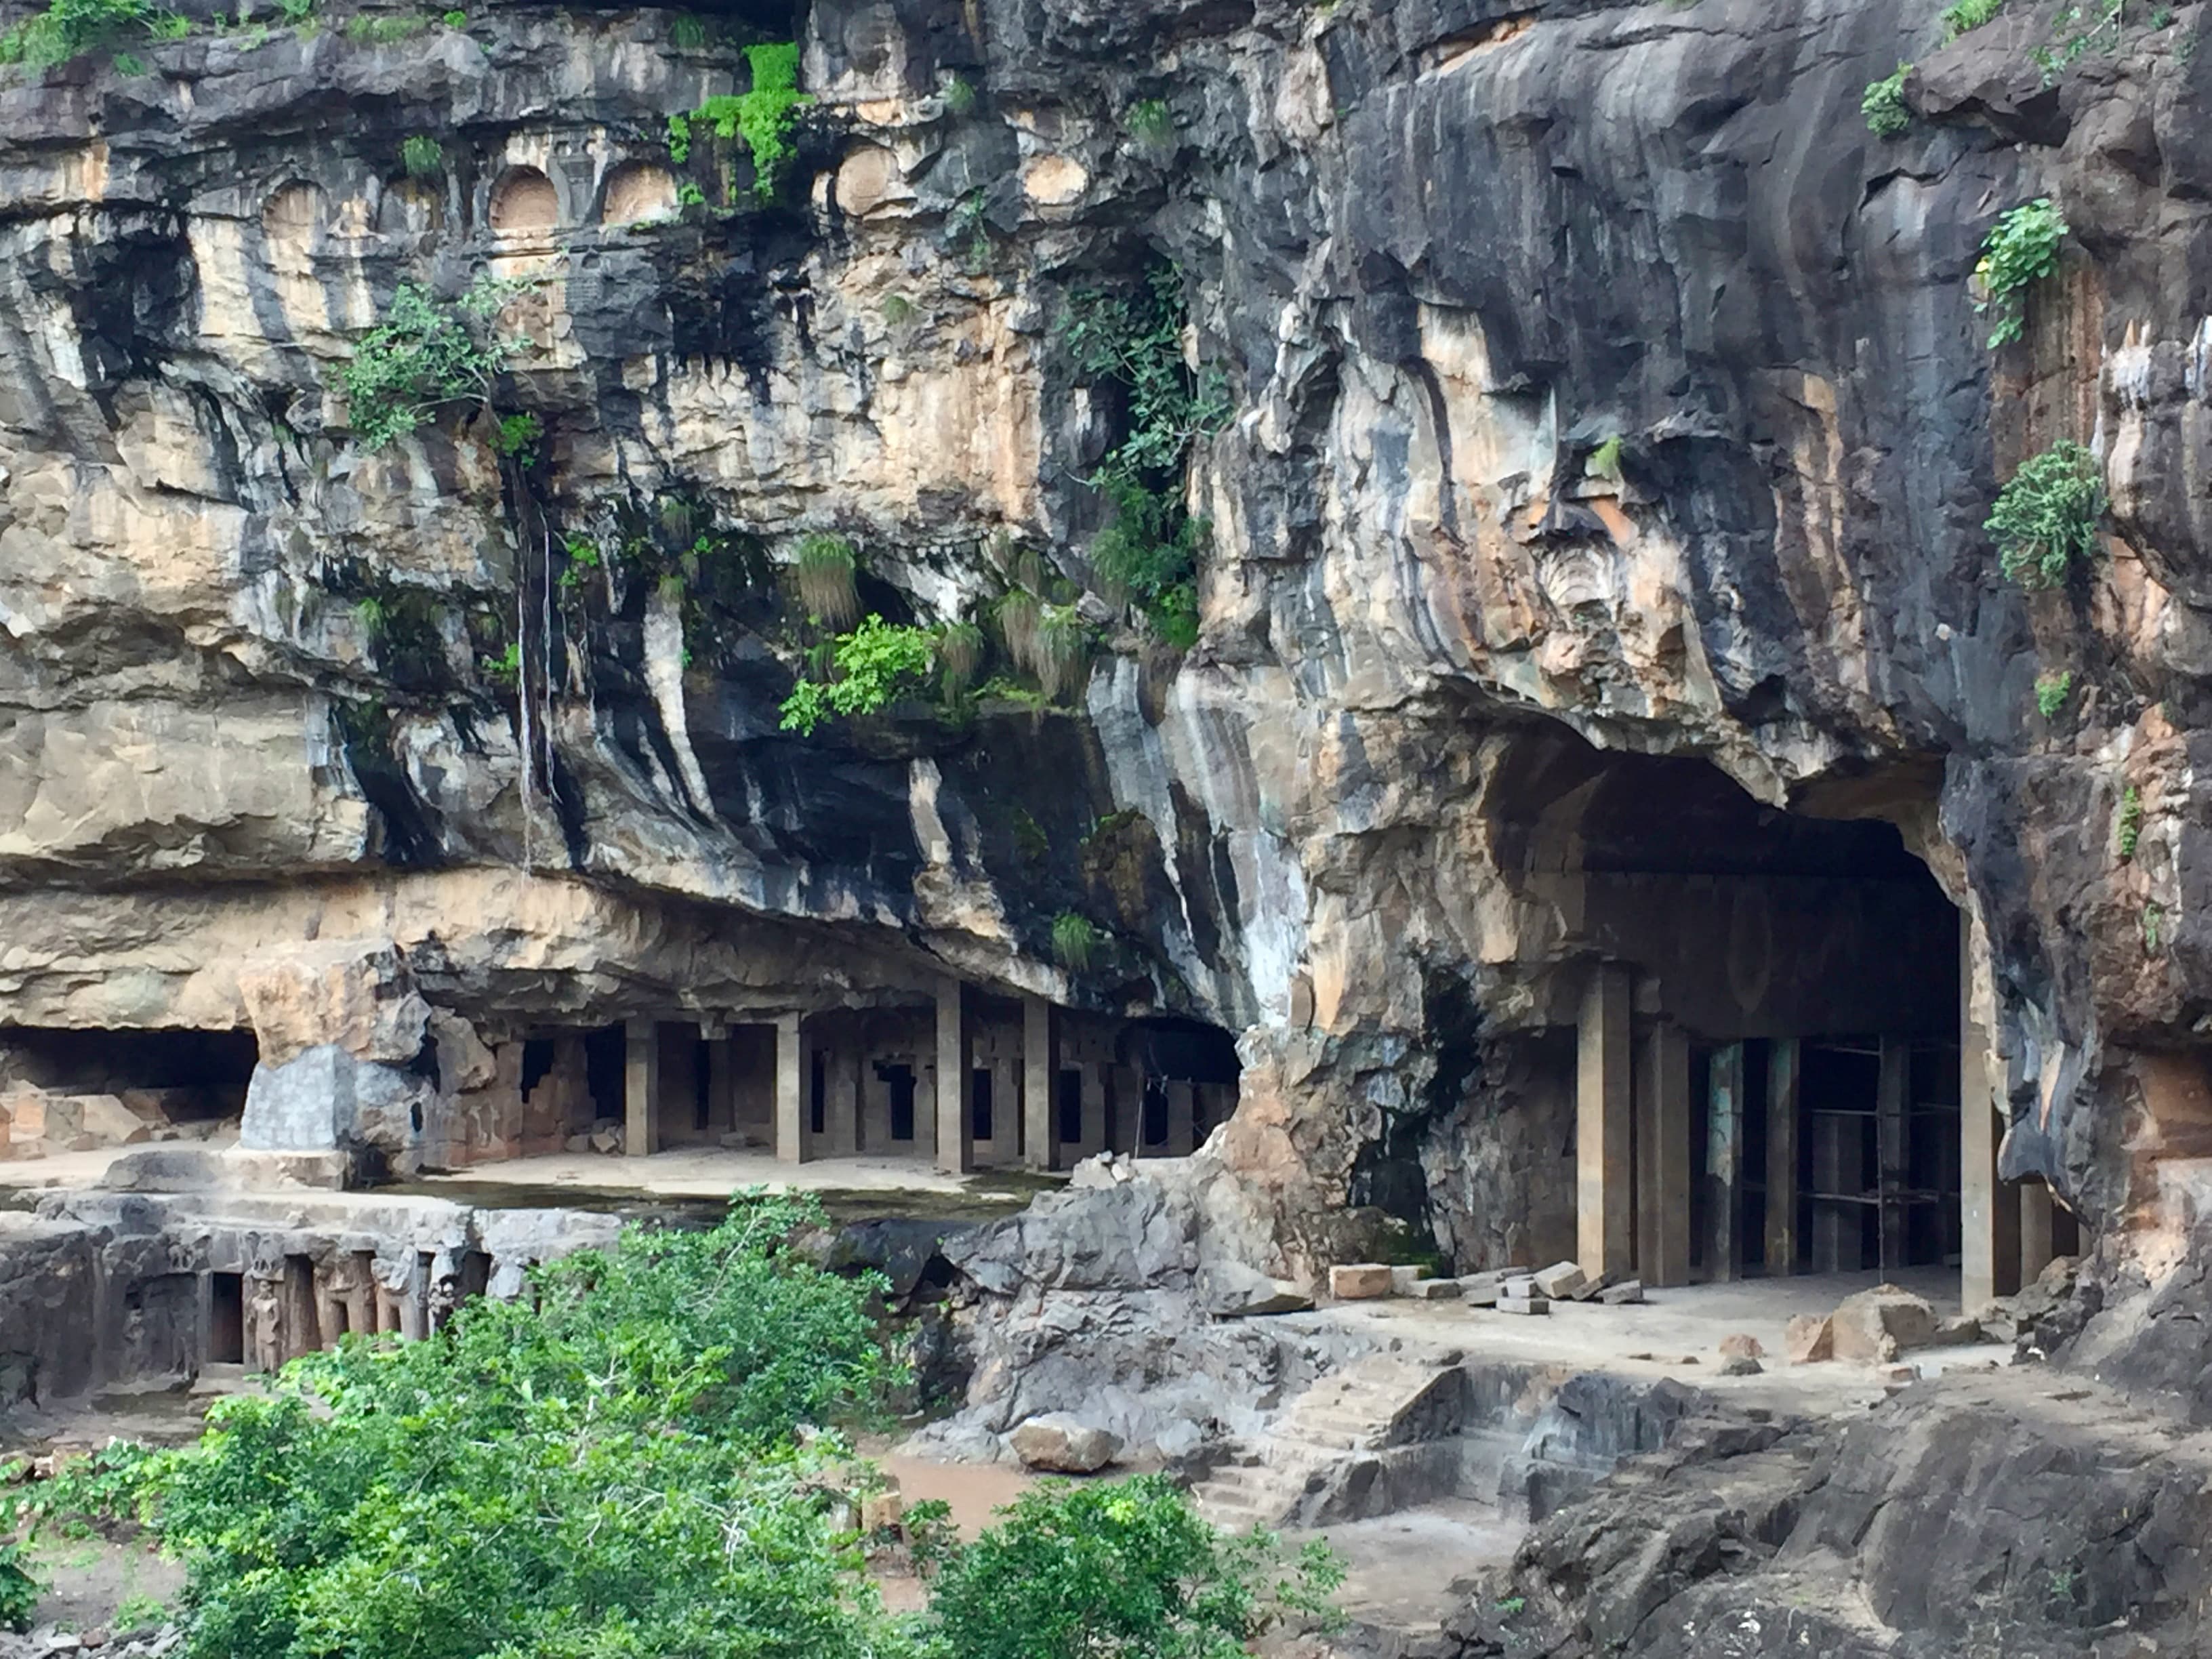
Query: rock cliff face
{"points": [[1612, 431]]}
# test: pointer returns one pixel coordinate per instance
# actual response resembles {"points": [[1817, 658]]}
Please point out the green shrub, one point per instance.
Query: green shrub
{"points": [[960, 96], [688, 33], [1124, 1570], [763, 118], [517, 435], [505, 668], [898, 310], [2046, 517], [1151, 122], [2130, 824], [427, 353], [422, 157], [1605, 460], [19, 1590], [367, 31], [1968, 15], [70, 29], [129, 64], [874, 665], [1074, 941], [824, 569], [2019, 251], [1147, 555], [609, 1472], [2052, 691], [1884, 105]]}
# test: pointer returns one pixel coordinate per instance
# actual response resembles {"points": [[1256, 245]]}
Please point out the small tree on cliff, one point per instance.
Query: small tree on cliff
{"points": [[428, 353]]}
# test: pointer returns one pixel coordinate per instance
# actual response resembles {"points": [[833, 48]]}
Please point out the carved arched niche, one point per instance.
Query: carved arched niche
{"points": [[410, 208], [524, 203], [639, 192]]}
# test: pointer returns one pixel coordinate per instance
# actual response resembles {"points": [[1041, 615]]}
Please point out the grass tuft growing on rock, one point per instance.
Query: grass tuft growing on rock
{"points": [[824, 570], [70, 28]]}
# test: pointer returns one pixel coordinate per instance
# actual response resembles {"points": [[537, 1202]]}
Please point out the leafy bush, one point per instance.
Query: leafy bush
{"points": [[2130, 825], [960, 96], [368, 31], [517, 435], [1117, 1571], [2075, 30], [2052, 691], [18, 1590], [873, 666], [1884, 105], [1148, 554], [421, 156], [1074, 941], [2046, 515], [688, 33], [1151, 122], [70, 29], [824, 570], [427, 353], [1968, 15], [763, 119], [610, 1473], [2022, 250], [1605, 460]]}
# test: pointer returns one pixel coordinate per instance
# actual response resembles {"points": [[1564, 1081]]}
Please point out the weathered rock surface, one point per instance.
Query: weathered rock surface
{"points": [[2016, 1513]]}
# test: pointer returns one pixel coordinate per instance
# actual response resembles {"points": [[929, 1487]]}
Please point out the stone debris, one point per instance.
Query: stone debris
{"points": [[1628, 1292], [880, 1512], [1434, 1290], [1480, 1290], [1359, 1281], [1561, 1279], [1807, 1340], [1233, 1291], [1742, 1345], [1524, 1305], [1875, 1326], [1062, 1443], [1741, 1364], [1402, 1280]]}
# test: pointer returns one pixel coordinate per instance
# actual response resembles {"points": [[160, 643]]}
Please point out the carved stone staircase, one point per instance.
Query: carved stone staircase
{"points": [[1373, 1437]]}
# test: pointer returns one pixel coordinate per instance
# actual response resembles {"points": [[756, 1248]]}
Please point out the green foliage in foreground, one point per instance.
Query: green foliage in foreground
{"points": [[1117, 1571], [2019, 251], [873, 666], [619, 1472], [70, 29], [1968, 15], [426, 353], [18, 1590], [611, 1473], [2046, 517]]}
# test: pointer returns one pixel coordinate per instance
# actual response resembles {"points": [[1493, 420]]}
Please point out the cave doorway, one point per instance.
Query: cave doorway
{"points": [[1766, 1075]]}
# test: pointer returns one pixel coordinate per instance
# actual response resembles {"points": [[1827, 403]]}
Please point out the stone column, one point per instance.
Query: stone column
{"points": [[1988, 1209], [791, 1146], [1891, 1101], [1603, 1169], [1040, 1119], [1662, 1193], [2035, 1249], [641, 1088], [844, 1106], [955, 1145], [721, 1087], [1724, 1165], [1782, 1077]]}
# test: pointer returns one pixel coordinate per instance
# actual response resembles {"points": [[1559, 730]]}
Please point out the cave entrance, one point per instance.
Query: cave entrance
{"points": [[1770, 1047]]}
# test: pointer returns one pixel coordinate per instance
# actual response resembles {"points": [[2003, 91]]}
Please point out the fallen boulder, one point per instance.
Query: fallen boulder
{"points": [[1875, 1326], [1063, 1444]]}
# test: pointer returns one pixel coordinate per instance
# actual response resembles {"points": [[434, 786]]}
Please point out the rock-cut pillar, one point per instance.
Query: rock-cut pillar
{"points": [[955, 1139], [791, 1146], [1603, 1203], [1040, 1120], [641, 1088]]}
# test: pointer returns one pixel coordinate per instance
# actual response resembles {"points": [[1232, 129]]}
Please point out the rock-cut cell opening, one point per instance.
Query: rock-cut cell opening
{"points": [[524, 203], [639, 192]]}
